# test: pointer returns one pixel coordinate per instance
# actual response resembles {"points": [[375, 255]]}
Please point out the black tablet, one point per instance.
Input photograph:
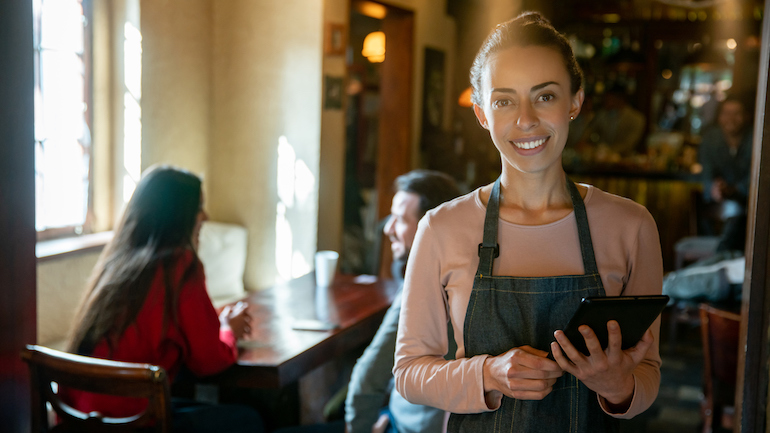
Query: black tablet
{"points": [[634, 314]]}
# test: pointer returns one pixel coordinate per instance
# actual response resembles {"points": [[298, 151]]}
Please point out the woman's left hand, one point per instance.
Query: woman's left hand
{"points": [[608, 372], [237, 318]]}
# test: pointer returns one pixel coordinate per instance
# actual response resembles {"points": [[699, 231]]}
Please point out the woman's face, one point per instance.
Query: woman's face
{"points": [[526, 106], [202, 216]]}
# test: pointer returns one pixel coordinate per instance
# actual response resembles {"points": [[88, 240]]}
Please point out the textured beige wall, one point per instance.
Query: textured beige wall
{"points": [[101, 135], [176, 82], [331, 192], [266, 85], [60, 286]]}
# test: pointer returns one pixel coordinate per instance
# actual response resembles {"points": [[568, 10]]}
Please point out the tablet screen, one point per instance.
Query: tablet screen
{"points": [[634, 314]]}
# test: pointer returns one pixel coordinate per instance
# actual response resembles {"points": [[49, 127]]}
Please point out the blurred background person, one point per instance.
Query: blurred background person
{"points": [[725, 155], [670, 118], [617, 124]]}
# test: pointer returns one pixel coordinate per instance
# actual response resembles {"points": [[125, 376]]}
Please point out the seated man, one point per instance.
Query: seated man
{"points": [[370, 386], [416, 193]]}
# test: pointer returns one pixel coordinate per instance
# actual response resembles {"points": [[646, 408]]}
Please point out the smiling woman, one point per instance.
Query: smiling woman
{"points": [[528, 106], [546, 243]]}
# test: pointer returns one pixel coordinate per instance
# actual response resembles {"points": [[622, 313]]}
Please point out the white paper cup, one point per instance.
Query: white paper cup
{"points": [[325, 267]]}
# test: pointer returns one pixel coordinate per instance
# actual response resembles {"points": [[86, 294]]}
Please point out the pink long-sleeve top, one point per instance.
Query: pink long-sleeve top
{"points": [[439, 279]]}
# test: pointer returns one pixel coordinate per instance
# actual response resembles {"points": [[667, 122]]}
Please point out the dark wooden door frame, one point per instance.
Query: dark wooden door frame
{"points": [[751, 393], [18, 307], [394, 145]]}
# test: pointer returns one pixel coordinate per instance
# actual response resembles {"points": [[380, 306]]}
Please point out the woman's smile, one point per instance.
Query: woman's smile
{"points": [[530, 143]]}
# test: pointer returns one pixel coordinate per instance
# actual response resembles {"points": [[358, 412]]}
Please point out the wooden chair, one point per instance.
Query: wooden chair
{"points": [[101, 376], [719, 332]]}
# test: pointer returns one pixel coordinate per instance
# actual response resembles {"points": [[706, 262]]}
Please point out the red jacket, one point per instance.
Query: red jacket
{"points": [[196, 341]]}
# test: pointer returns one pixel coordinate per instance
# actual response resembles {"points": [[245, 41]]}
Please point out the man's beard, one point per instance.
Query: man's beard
{"points": [[398, 267], [402, 257]]}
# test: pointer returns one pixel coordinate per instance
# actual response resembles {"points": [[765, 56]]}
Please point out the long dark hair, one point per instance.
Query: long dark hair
{"points": [[156, 226], [528, 29]]}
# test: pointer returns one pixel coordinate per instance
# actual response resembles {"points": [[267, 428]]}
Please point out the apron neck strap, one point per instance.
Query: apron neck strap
{"points": [[584, 231], [489, 249]]}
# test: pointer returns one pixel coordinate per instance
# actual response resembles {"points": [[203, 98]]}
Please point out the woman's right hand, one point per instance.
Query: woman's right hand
{"points": [[237, 318], [523, 372]]}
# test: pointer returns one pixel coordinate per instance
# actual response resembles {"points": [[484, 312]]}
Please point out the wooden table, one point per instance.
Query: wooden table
{"points": [[275, 355]]}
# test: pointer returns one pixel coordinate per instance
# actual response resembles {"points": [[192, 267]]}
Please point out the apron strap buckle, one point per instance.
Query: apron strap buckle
{"points": [[496, 248]]}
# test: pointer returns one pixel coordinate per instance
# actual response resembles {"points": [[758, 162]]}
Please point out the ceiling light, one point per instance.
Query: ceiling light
{"points": [[371, 9]]}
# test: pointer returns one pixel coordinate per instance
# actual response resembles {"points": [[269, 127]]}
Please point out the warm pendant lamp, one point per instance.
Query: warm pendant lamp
{"points": [[374, 47]]}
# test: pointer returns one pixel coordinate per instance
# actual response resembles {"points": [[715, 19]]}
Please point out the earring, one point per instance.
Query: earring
{"points": [[571, 117]]}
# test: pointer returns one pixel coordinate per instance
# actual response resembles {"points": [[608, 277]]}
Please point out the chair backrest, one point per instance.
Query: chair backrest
{"points": [[719, 332], [222, 249], [98, 376]]}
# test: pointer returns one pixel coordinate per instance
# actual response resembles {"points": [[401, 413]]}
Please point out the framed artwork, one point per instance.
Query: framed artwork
{"points": [[433, 88], [333, 92], [334, 39], [433, 94]]}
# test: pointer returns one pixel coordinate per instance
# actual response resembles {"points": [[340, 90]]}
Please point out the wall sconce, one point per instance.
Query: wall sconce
{"points": [[465, 99], [374, 47]]}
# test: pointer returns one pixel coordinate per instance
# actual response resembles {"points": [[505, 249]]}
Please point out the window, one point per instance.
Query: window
{"points": [[63, 157], [88, 127]]}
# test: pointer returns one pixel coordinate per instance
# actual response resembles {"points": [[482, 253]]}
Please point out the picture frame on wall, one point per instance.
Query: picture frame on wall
{"points": [[434, 85], [333, 92], [334, 39]]}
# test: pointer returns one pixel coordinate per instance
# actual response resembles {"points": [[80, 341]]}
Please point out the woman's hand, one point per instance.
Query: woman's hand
{"points": [[237, 318], [609, 372], [522, 372]]}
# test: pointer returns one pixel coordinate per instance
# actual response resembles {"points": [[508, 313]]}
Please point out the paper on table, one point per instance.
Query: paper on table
{"points": [[365, 279], [313, 325], [251, 344]]}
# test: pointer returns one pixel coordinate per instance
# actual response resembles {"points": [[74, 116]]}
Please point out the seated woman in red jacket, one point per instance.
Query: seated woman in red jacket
{"points": [[147, 302]]}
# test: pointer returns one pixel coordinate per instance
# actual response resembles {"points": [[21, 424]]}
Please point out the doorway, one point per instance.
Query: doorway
{"points": [[378, 128]]}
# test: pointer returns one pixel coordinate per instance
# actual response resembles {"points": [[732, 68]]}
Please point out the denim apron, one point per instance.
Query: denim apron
{"points": [[506, 312]]}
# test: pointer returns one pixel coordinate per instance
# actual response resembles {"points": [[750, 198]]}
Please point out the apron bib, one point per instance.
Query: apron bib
{"points": [[506, 312]]}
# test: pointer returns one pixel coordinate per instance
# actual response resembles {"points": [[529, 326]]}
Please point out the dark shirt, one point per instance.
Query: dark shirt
{"points": [[719, 162]]}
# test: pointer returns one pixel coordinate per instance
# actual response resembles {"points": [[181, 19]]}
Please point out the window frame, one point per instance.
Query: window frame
{"points": [[87, 58]]}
